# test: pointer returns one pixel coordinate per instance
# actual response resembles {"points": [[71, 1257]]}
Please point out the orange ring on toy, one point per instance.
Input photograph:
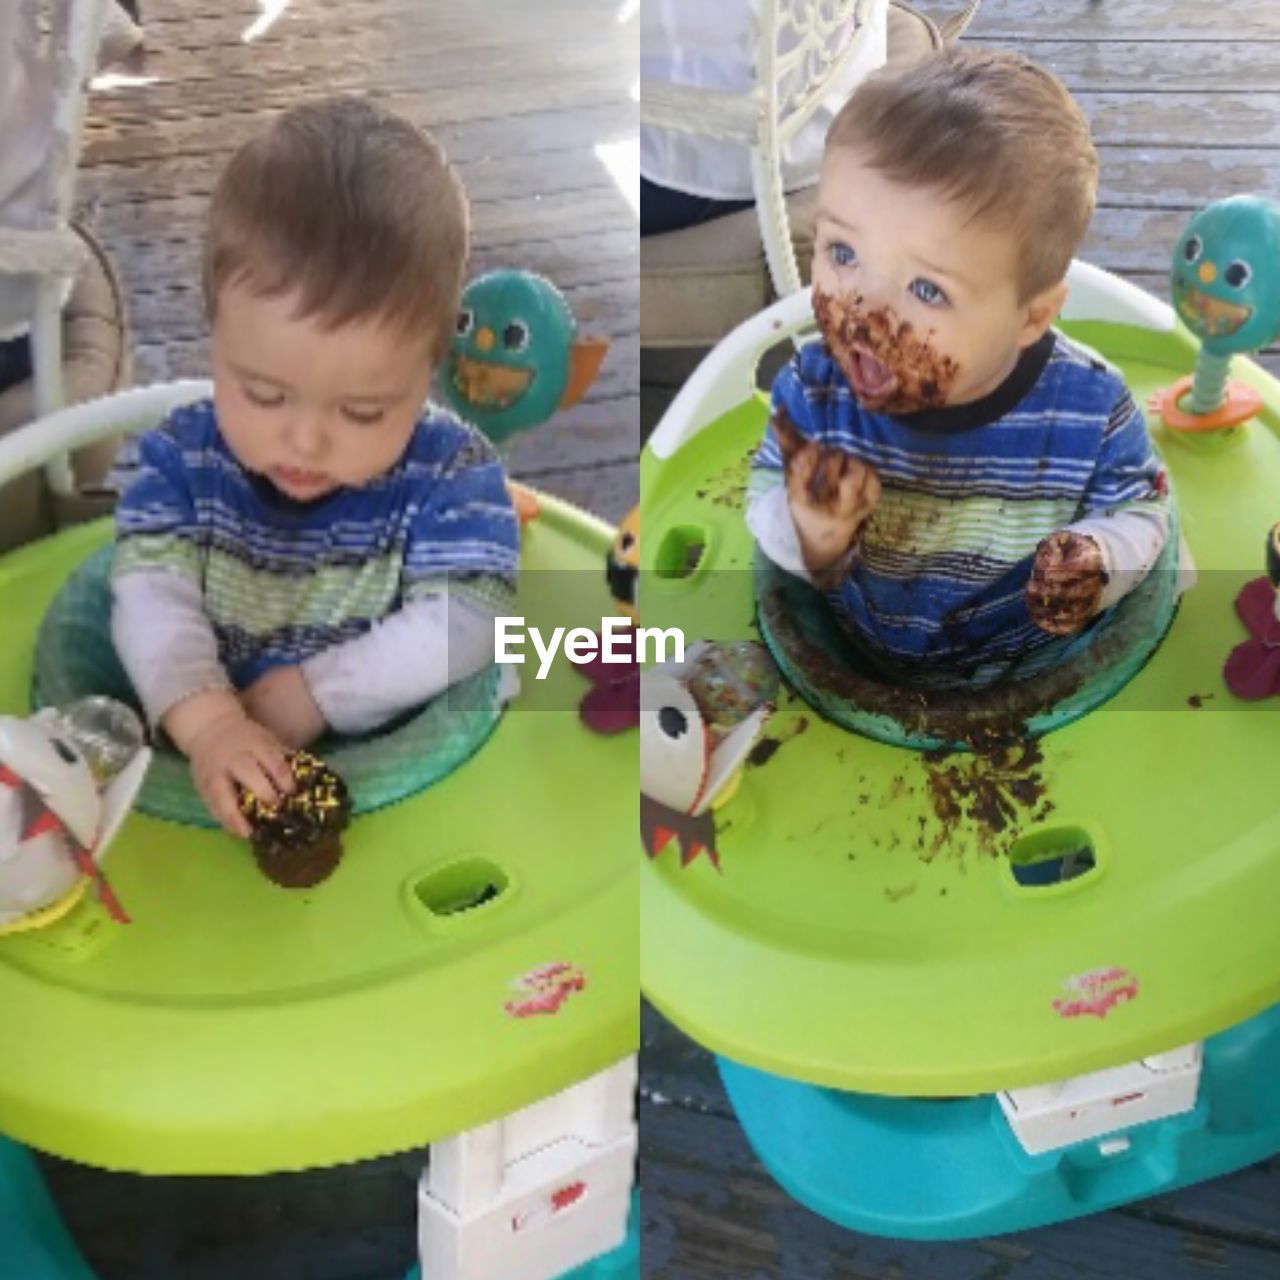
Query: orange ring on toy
{"points": [[1241, 404]]}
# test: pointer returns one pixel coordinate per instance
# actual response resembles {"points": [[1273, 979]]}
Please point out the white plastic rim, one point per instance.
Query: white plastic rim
{"points": [[726, 377], [1096, 294], [122, 413]]}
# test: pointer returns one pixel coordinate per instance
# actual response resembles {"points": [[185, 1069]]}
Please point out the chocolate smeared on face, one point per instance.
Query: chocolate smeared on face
{"points": [[890, 368]]}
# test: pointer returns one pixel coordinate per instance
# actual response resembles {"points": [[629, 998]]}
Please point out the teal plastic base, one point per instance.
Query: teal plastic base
{"points": [[930, 1169], [622, 1264], [34, 1245]]}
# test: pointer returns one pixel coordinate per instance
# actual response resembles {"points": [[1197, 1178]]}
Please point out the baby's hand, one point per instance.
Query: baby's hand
{"points": [[1066, 584], [280, 700], [233, 751], [830, 493]]}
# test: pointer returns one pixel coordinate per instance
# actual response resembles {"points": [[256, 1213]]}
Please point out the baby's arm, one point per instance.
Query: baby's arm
{"points": [[162, 636], [1097, 560], [807, 503], [408, 657], [168, 648], [460, 573]]}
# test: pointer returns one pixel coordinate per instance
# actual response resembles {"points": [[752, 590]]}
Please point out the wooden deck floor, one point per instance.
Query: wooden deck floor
{"points": [[712, 1212], [1184, 98], [520, 95]]}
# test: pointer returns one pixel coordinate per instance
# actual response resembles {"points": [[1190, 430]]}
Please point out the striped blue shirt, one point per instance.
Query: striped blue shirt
{"points": [[281, 580], [935, 594]]}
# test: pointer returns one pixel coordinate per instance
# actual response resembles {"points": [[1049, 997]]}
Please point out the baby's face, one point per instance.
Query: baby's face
{"points": [[313, 410], [918, 302]]}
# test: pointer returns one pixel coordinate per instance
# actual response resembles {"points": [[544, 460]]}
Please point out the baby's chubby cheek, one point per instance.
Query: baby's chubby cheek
{"points": [[919, 375]]}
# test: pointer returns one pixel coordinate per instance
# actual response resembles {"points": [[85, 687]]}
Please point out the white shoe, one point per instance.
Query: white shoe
{"points": [[120, 37]]}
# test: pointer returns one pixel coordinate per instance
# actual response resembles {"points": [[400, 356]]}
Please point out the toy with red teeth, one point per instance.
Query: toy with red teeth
{"points": [[685, 765], [1252, 669], [55, 822]]}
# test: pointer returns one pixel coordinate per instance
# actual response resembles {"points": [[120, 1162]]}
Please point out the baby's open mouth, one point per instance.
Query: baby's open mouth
{"points": [[870, 378], [888, 366]]}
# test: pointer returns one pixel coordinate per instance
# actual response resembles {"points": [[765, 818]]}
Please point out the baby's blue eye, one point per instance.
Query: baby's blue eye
{"points": [[842, 254], [927, 292]]}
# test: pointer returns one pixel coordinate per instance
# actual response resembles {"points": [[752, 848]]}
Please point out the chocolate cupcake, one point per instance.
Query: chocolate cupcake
{"points": [[298, 842]]}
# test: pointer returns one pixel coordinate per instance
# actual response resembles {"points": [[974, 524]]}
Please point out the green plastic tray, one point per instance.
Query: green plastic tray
{"points": [[864, 936], [236, 1027]]}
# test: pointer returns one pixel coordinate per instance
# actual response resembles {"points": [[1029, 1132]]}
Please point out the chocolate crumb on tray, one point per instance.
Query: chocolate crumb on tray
{"points": [[298, 841]]}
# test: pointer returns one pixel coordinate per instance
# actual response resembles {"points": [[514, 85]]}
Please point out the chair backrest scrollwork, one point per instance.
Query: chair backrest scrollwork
{"points": [[801, 48]]}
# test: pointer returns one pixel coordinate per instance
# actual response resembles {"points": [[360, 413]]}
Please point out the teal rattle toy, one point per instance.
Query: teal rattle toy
{"points": [[1226, 289], [516, 359]]}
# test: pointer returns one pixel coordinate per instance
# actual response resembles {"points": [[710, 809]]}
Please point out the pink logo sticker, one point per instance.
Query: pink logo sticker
{"points": [[536, 1215], [568, 1196], [1096, 993], [544, 990]]}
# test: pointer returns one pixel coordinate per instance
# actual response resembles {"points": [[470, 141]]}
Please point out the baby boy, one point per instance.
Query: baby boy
{"points": [[972, 489], [310, 549]]}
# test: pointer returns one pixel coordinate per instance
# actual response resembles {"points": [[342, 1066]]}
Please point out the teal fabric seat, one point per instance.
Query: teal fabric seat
{"points": [[75, 658], [818, 660]]}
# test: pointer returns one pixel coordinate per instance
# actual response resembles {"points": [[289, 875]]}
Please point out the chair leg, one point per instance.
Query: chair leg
{"points": [[775, 226], [536, 1195], [46, 359]]}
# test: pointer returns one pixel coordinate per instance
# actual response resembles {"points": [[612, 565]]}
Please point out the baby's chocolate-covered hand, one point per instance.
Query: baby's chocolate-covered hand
{"points": [[830, 493], [1066, 584]]}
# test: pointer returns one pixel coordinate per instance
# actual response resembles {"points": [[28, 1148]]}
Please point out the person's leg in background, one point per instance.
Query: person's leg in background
{"points": [[15, 361], [664, 209]]}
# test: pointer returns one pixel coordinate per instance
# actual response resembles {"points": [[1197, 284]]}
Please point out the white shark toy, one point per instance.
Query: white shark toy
{"points": [[62, 800]]}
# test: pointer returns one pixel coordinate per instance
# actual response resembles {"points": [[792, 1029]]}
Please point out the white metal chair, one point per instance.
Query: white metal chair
{"points": [[800, 49], [50, 251]]}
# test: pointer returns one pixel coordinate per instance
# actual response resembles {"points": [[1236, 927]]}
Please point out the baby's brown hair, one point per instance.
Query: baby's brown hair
{"points": [[993, 131], [355, 208]]}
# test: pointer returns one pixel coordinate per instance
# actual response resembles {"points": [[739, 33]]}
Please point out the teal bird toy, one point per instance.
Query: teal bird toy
{"points": [[1226, 289], [516, 358]]}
